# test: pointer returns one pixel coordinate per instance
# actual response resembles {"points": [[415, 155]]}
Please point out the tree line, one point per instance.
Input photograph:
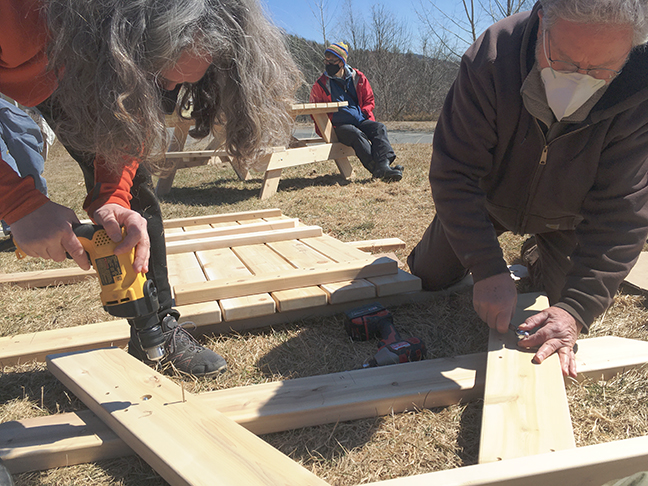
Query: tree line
{"points": [[407, 85]]}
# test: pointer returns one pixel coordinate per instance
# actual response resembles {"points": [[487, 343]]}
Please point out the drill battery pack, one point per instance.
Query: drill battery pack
{"points": [[365, 323]]}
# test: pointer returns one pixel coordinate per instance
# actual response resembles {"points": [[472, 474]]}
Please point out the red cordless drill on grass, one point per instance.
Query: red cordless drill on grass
{"points": [[373, 320]]}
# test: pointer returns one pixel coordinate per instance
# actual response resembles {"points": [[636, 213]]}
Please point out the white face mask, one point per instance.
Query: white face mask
{"points": [[567, 92]]}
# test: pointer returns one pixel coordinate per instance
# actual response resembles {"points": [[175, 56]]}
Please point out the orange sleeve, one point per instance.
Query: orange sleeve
{"points": [[110, 187], [18, 196]]}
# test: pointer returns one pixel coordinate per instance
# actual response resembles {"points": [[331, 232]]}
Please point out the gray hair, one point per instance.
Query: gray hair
{"points": [[108, 54], [622, 12]]}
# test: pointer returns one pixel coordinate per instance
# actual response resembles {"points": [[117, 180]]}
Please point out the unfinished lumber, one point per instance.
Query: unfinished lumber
{"points": [[396, 284], [335, 249], [185, 441], [45, 278], [262, 260], [23, 348], [73, 438], [349, 290], [638, 276], [585, 466], [184, 267], [244, 239], [221, 218], [307, 155], [226, 288], [223, 263], [382, 244], [233, 229], [525, 404]]}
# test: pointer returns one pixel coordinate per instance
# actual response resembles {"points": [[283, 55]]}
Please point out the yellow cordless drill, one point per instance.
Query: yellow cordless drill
{"points": [[124, 293]]}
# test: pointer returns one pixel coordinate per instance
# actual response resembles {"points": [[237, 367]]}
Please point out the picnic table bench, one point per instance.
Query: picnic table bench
{"points": [[299, 152]]}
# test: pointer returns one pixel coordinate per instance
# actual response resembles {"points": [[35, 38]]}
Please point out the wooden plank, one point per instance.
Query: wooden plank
{"points": [[247, 306], [345, 167], [307, 155], [299, 254], [586, 466], [224, 263], [245, 239], [233, 229], [638, 276], [304, 298], [349, 290], [226, 288], [221, 218], [382, 244], [73, 438], [270, 183], [396, 284], [180, 132], [23, 348], [525, 405], [184, 267], [262, 260], [314, 108], [45, 278], [186, 442], [334, 249]]}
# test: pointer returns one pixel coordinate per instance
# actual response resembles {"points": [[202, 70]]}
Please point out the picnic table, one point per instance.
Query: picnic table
{"points": [[299, 152]]}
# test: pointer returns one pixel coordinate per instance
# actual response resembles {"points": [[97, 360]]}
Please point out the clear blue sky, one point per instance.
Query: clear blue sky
{"points": [[296, 16]]}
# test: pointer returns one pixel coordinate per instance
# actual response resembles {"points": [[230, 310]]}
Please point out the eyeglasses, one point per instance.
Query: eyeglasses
{"points": [[569, 67], [330, 61]]}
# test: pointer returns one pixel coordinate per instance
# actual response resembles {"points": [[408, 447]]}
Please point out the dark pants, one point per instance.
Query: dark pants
{"points": [[434, 261], [144, 202], [369, 141]]}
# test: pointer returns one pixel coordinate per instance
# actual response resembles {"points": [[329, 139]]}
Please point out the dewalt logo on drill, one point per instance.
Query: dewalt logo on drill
{"points": [[108, 269]]}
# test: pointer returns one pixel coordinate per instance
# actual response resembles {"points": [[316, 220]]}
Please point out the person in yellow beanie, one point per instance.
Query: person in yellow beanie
{"points": [[355, 124]]}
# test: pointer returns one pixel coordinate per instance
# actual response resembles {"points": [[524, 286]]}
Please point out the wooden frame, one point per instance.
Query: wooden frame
{"points": [[74, 438]]}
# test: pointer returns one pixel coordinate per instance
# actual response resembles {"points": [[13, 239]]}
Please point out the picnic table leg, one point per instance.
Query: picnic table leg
{"points": [[178, 141], [345, 167], [270, 183]]}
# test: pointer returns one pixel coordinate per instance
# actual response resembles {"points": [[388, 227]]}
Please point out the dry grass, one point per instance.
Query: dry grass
{"points": [[345, 453]]}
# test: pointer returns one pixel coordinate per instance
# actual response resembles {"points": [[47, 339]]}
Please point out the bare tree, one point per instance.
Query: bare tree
{"points": [[320, 10], [456, 30]]}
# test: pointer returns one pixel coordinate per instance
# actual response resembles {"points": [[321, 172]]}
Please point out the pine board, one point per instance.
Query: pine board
{"points": [[187, 443], [335, 249], [586, 466], [227, 288], [221, 218], [349, 290], [525, 405], [74, 438]]}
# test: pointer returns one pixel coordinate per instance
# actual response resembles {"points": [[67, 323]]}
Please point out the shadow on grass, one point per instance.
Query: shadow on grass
{"points": [[231, 190]]}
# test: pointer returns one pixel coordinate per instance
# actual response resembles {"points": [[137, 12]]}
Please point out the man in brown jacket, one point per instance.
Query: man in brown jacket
{"points": [[544, 132]]}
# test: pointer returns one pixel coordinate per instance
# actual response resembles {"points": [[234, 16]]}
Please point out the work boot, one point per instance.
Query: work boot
{"points": [[386, 173], [397, 166], [182, 351]]}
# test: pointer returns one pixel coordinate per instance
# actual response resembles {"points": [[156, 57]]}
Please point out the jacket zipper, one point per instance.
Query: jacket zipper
{"points": [[524, 214]]}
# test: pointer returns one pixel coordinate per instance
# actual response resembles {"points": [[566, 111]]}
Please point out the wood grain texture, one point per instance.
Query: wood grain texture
{"points": [[525, 405], [221, 218], [227, 288], [74, 438], [586, 466], [232, 229], [214, 242], [45, 278], [187, 443]]}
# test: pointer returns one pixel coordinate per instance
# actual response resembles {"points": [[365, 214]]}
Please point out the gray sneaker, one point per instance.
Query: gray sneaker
{"points": [[182, 351]]}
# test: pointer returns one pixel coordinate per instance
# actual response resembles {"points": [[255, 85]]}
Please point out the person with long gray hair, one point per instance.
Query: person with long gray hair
{"points": [[545, 133], [103, 74]]}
